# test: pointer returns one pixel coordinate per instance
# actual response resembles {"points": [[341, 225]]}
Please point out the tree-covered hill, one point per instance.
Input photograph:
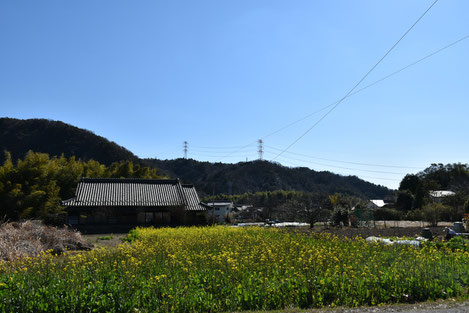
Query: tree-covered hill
{"points": [[221, 178], [414, 190], [56, 138]]}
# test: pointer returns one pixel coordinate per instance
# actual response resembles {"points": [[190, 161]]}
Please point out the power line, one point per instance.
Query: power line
{"points": [[248, 154], [222, 150], [218, 147], [352, 94], [368, 86], [347, 162], [357, 84], [344, 168], [361, 176]]}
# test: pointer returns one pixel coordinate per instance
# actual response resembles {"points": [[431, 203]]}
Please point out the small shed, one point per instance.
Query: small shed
{"points": [[116, 204]]}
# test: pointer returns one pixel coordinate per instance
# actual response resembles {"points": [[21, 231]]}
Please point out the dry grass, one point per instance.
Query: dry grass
{"points": [[27, 239]]}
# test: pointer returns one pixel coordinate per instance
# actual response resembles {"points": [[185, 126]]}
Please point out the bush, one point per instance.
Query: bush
{"points": [[433, 213], [458, 243], [387, 214], [451, 214], [340, 216]]}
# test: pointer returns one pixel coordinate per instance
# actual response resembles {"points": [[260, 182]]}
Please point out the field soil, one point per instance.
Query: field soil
{"points": [[105, 240], [364, 232], [440, 306]]}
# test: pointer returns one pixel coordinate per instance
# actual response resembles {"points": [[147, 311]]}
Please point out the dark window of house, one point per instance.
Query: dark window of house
{"points": [[148, 217], [73, 219], [159, 217], [166, 218]]}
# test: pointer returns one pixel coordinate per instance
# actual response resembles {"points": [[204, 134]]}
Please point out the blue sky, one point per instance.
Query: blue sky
{"points": [[222, 74]]}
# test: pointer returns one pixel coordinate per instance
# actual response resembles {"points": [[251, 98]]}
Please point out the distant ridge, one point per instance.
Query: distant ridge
{"points": [[55, 137], [242, 177]]}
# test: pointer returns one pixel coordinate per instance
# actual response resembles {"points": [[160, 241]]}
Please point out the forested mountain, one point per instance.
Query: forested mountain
{"points": [[221, 178], [56, 138]]}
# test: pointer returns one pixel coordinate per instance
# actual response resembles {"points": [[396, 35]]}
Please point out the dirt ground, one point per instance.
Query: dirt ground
{"points": [[105, 240], [381, 228], [438, 232], [440, 306]]}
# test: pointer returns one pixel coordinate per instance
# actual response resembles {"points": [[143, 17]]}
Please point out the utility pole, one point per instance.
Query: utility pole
{"points": [[260, 148], [185, 149]]}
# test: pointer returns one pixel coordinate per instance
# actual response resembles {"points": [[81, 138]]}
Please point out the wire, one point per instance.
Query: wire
{"points": [[217, 148], [344, 168], [361, 176], [347, 162], [220, 151], [357, 84], [368, 86], [248, 154], [354, 93]]}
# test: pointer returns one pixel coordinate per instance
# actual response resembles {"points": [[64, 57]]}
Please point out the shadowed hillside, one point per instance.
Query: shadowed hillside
{"points": [[217, 178], [55, 137]]}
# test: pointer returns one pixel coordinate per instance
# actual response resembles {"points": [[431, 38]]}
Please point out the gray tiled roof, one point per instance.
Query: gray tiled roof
{"points": [[134, 193], [193, 202]]}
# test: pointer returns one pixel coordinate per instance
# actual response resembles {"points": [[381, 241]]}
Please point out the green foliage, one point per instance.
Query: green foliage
{"points": [[405, 199], [414, 189], [458, 243], [387, 214], [251, 177], [105, 237], [57, 138], [433, 212], [34, 186], [340, 216], [133, 235]]}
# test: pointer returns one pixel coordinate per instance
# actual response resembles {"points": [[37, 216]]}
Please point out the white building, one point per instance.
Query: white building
{"points": [[438, 195], [375, 204], [219, 211]]}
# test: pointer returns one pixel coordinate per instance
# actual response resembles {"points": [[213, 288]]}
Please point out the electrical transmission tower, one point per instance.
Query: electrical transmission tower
{"points": [[185, 149], [260, 148]]}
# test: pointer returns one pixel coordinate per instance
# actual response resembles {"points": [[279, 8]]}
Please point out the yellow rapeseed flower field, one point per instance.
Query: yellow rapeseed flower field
{"points": [[211, 269]]}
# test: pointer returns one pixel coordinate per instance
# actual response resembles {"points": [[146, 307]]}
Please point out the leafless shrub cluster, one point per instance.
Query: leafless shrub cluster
{"points": [[29, 238]]}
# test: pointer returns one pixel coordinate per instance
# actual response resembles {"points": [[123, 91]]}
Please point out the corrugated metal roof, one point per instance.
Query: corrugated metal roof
{"points": [[133, 192]]}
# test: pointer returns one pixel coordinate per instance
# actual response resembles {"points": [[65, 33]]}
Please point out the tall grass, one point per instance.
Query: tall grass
{"points": [[224, 269]]}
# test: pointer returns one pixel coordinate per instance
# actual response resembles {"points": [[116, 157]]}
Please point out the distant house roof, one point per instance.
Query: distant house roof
{"points": [[378, 203], [441, 193], [220, 203], [134, 192]]}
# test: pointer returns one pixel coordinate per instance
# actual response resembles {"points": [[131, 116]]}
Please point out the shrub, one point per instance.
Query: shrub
{"points": [[458, 242], [433, 212], [387, 214], [340, 216]]}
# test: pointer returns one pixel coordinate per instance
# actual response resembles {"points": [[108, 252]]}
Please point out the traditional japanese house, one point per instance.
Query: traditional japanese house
{"points": [[115, 204]]}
